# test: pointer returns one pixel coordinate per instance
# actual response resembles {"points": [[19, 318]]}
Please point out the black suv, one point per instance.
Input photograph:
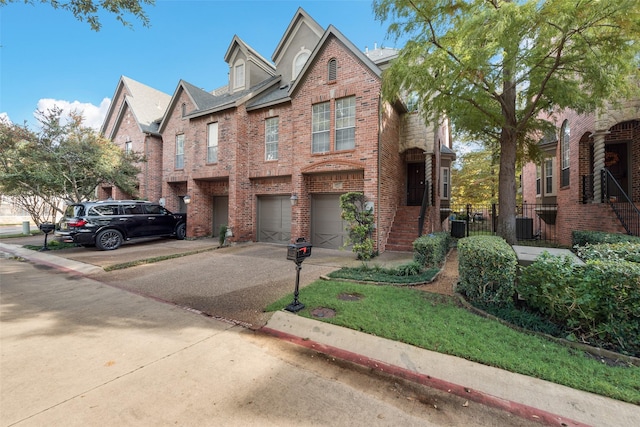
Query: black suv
{"points": [[108, 223]]}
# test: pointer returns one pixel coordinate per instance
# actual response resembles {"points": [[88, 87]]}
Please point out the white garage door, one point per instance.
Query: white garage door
{"points": [[327, 226], [274, 219]]}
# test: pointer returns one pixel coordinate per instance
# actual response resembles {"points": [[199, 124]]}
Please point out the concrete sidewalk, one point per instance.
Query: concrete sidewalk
{"points": [[528, 397]]}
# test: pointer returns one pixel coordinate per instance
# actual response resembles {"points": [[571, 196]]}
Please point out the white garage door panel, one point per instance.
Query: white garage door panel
{"points": [[274, 219], [328, 228]]}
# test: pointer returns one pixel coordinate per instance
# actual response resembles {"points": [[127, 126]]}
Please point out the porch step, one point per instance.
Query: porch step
{"points": [[404, 229]]}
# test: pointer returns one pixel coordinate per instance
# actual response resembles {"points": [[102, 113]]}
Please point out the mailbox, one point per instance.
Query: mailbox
{"points": [[46, 227], [299, 251]]}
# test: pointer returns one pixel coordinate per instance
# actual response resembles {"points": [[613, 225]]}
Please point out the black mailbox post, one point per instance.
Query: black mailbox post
{"points": [[46, 228], [297, 252]]}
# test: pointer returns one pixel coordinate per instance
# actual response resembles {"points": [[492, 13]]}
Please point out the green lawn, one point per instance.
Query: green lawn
{"points": [[439, 323]]}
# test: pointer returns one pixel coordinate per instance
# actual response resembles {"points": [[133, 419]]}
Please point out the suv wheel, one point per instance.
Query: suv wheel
{"points": [[181, 231], [108, 240]]}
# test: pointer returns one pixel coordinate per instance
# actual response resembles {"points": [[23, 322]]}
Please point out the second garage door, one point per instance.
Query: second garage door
{"points": [[274, 219], [327, 226]]}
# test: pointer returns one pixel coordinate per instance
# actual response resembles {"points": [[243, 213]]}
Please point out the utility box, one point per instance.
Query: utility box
{"points": [[298, 251], [524, 228], [458, 229]]}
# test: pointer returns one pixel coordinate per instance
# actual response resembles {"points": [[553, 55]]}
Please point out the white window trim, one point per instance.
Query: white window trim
{"points": [[445, 179], [236, 83], [294, 69], [539, 181], [565, 154], [554, 178], [350, 126], [323, 131], [212, 142], [273, 142], [179, 159]]}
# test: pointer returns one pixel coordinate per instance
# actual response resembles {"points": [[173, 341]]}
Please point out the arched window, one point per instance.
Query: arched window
{"points": [[565, 134], [333, 69], [298, 62]]}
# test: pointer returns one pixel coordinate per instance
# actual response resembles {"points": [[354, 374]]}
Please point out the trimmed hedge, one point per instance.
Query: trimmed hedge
{"points": [[584, 237], [610, 252], [431, 250], [599, 301], [487, 267]]}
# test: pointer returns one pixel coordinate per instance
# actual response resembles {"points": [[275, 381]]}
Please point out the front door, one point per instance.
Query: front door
{"points": [[616, 160], [415, 183]]}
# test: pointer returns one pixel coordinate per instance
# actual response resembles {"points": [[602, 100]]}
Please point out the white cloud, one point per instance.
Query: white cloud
{"points": [[5, 117], [93, 115]]}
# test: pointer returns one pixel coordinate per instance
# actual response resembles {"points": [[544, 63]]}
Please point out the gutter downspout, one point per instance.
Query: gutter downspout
{"points": [[380, 112]]}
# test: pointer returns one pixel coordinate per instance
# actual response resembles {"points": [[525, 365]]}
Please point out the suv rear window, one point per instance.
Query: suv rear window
{"points": [[72, 211], [104, 210]]}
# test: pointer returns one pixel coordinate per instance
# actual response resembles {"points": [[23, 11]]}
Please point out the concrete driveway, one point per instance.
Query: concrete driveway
{"points": [[234, 283]]}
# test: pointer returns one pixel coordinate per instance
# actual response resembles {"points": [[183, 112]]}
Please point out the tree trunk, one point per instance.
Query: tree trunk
{"points": [[508, 153], [507, 187]]}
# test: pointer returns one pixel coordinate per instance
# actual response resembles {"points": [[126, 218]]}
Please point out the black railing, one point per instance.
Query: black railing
{"points": [[534, 222], [624, 208], [587, 189]]}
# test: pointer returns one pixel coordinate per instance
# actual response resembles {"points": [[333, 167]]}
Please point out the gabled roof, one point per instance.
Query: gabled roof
{"points": [[198, 97], [147, 105], [252, 55], [280, 94], [298, 17], [233, 99], [334, 32]]}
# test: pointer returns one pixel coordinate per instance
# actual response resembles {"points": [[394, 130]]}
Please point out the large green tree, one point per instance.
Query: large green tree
{"points": [[64, 161], [89, 10], [496, 67], [475, 179]]}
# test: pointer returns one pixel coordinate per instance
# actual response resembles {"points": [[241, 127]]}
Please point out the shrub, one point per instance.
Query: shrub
{"points": [[487, 267], [610, 251], [431, 250], [409, 269], [361, 222], [599, 301], [584, 237]]}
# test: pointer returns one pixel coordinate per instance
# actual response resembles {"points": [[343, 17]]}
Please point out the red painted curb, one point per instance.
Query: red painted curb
{"points": [[515, 408]]}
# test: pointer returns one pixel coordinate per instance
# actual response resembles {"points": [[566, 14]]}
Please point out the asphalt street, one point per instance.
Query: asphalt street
{"points": [[78, 352]]}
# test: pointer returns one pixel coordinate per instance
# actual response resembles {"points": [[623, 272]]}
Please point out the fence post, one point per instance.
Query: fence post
{"points": [[493, 218]]}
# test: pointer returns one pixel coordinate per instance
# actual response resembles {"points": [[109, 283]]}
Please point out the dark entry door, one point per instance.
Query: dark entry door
{"points": [[616, 161], [415, 183]]}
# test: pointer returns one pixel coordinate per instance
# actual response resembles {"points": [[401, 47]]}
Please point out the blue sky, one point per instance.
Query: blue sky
{"points": [[48, 57]]}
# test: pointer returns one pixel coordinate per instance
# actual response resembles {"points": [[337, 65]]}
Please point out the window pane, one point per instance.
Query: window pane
{"points": [[271, 138], [239, 76], [345, 123], [180, 151], [212, 143], [321, 123]]}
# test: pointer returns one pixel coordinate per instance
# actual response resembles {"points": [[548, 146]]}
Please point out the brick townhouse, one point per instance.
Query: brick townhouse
{"points": [[269, 154], [570, 176]]}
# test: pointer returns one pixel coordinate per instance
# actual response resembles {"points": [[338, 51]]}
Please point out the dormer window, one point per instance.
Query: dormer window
{"points": [[238, 75], [299, 61], [333, 70]]}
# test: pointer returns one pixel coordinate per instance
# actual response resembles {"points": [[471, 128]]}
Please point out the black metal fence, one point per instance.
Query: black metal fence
{"points": [[535, 223]]}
